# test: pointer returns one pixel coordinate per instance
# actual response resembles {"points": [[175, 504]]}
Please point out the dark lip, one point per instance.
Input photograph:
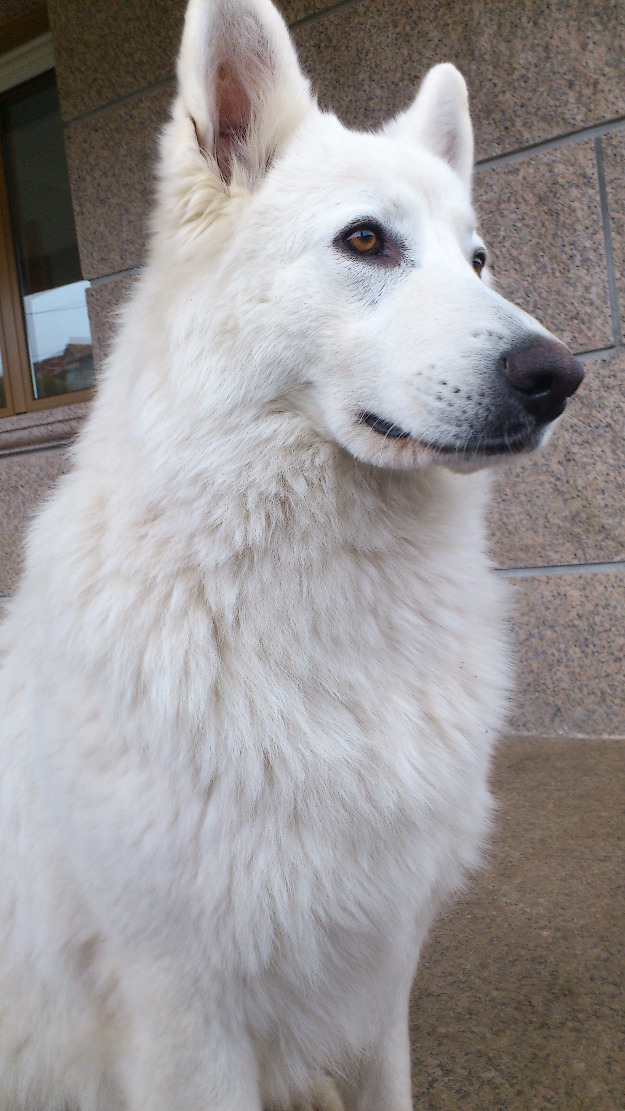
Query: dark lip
{"points": [[512, 442], [384, 427]]}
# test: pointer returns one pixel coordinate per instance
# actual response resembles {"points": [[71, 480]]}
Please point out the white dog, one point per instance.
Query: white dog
{"points": [[255, 667]]}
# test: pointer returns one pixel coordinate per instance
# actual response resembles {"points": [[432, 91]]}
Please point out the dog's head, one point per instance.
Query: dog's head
{"points": [[342, 273]]}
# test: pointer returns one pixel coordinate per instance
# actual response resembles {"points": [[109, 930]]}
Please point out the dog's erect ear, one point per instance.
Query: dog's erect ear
{"points": [[240, 82], [439, 119]]}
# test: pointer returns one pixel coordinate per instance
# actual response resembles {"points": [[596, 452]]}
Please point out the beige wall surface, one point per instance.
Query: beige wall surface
{"points": [[547, 86]]}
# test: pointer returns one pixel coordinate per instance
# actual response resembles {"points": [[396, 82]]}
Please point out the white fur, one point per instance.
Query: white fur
{"points": [[255, 668]]}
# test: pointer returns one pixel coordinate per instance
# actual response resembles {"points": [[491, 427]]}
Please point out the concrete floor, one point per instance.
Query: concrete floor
{"points": [[519, 1003]]}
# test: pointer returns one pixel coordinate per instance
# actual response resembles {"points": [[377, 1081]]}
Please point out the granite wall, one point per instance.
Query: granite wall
{"points": [[547, 84], [15, 9]]}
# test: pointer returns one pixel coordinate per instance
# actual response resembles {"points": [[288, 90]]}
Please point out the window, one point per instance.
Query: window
{"points": [[45, 338]]}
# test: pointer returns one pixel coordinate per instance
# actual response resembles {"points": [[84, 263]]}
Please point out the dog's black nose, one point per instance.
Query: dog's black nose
{"points": [[542, 375]]}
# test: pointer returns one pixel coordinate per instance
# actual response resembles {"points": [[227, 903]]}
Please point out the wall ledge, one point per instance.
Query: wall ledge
{"points": [[47, 428]]}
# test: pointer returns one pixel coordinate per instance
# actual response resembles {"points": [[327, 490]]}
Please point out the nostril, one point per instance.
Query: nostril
{"points": [[535, 384], [542, 376]]}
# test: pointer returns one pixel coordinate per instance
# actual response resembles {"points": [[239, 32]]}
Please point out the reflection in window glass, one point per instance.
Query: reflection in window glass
{"points": [[59, 339], [3, 398], [53, 290]]}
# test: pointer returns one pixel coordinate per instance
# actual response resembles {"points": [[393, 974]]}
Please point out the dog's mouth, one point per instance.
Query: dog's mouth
{"points": [[384, 427], [511, 440]]}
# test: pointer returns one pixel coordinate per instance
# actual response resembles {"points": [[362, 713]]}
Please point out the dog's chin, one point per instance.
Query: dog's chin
{"points": [[475, 455], [382, 444]]}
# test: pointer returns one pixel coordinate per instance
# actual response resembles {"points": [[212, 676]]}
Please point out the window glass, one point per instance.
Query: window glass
{"points": [[53, 290], [3, 397]]}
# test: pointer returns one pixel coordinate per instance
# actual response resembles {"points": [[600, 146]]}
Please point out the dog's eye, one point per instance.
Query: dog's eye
{"points": [[365, 240], [479, 261]]}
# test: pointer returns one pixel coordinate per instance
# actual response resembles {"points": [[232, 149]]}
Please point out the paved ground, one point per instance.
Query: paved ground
{"points": [[519, 1003]]}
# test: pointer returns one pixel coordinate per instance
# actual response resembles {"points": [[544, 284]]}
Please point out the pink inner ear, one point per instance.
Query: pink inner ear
{"points": [[233, 103], [233, 112]]}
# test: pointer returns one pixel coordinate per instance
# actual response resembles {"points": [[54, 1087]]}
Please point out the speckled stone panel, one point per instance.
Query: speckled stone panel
{"points": [[103, 301], [569, 645], [518, 1003], [105, 51], [614, 161], [535, 70], [111, 160], [11, 9], [24, 480], [566, 503], [541, 218]]}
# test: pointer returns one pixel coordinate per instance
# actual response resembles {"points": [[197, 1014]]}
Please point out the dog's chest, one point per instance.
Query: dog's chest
{"points": [[357, 694], [360, 798]]}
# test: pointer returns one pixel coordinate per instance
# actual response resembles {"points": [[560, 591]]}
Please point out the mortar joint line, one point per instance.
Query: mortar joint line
{"points": [[115, 275], [568, 137], [609, 249], [313, 17], [561, 570], [121, 102], [600, 352]]}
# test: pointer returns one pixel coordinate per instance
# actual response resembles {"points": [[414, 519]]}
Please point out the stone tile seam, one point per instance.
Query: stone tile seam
{"points": [[103, 110], [600, 353], [550, 737], [607, 236], [116, 275], [561, 570], [567, 138], [314, 17]]}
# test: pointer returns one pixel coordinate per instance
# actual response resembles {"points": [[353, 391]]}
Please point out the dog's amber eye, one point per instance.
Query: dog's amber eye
{"points": [[479, 261], [365, 241]]}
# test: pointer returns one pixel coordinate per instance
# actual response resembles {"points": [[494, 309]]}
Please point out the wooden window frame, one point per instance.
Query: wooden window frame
{"points": [[16, 368]]}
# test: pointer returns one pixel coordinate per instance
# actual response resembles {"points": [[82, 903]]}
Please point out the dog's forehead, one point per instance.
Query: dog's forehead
{"points": [[328, 164]]}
